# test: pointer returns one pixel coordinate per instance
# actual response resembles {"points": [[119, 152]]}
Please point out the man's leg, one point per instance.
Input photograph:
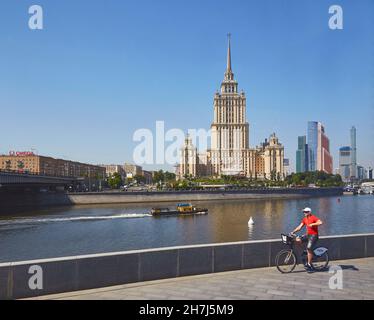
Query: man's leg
{"points": [[300, 241], [310, 256], [311, 243]]}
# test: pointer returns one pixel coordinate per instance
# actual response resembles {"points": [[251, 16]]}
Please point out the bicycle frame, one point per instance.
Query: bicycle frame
{"points": [[299, 256], [294, 251], [290, 255]]}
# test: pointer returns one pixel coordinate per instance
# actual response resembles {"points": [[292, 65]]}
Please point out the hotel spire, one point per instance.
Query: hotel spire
{"points": [[229, 54], [229, 85], [229, 75]]}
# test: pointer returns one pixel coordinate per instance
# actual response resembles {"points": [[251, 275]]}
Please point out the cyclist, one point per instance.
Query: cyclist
{"points": [[312, 223]]}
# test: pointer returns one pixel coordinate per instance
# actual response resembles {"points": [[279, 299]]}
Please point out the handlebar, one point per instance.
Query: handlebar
{"points": [[294, 236]]}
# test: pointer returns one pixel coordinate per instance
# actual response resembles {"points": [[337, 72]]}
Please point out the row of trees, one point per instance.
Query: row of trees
{"points": [[168, 180], [115, 181], [161, 176], [318, 178]]}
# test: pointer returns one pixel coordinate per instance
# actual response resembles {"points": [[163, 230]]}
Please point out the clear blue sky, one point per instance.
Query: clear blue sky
{"points": [[102, 69]]}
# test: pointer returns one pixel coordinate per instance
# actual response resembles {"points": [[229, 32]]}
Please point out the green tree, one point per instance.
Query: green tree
{"points": [[159, 176], [115, 180], [20, 165], [139, 178], [169, 176], [273, 175], [319, 178]]}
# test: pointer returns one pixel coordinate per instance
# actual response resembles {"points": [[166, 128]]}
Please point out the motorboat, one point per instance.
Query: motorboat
{"points": [[181, 209]]}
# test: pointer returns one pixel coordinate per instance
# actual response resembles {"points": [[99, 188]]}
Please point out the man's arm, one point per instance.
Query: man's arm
{"points": [[317, 223], [298, 228]]}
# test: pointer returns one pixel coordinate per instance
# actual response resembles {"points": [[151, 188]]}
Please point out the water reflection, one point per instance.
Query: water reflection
{"points": [[250, 232]]}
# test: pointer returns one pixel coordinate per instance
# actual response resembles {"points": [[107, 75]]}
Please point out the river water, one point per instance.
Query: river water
{"points": [[67, 231]]}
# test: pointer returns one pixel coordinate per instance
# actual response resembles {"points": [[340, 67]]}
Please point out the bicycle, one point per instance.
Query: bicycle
{"points": [[286, 260]]}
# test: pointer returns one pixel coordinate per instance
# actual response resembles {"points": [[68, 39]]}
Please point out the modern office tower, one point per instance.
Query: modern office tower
{"points": [[302, 155], [313, 144], [361, 173], [320, 158], [325, 162], [370, 174], [354, 172], [345, 154]]}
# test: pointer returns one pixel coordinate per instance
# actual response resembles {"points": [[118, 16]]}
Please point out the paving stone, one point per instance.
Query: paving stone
{"points": [[280, 293], [152, 296], [267, 297], [260, 294], [132, 298], [243, 297], [199, 296], [265, 286]]}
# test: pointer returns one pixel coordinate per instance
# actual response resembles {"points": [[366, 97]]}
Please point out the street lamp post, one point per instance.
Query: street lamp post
{"points": [[89, 179]]}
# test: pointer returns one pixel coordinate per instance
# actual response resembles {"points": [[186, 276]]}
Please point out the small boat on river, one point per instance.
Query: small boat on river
{"points": [[181, 209]]}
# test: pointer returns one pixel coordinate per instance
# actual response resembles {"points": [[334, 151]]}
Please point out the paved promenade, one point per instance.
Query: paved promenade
{"points": [[263, 284]]}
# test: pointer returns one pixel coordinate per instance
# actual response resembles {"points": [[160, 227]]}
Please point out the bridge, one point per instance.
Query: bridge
{"points": [[15, 179]]}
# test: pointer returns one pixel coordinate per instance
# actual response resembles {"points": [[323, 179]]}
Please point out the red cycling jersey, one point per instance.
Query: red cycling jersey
{"points": [[309, 220]]}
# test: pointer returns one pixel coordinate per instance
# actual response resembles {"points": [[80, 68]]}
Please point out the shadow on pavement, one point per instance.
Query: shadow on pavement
{"points": [[343, 267], [349, 267]]}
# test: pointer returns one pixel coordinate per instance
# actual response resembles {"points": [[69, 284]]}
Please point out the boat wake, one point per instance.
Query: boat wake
{"points": [[72, 219]]}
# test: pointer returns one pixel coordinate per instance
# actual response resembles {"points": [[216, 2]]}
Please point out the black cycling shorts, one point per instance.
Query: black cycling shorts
{"points": [[311, 239]]}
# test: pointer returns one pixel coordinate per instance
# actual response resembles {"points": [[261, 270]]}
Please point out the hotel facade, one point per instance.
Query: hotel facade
{"points": [[230, 153]]}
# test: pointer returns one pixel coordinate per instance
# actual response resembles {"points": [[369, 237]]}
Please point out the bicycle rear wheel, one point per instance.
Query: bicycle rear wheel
{"points": [[321, 263], [285, 261]]}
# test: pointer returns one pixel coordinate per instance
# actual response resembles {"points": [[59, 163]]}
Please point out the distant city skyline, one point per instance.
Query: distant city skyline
{"points": [[80, 88]]}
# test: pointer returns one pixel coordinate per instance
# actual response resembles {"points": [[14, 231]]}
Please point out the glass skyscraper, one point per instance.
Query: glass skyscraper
{"points": [[354, 153], [313, 144], [345, 163], [320, 158], [302, 155]]}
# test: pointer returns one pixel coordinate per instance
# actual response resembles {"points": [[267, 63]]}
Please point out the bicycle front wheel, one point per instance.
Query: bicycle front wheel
{"points": [[286, 261]]}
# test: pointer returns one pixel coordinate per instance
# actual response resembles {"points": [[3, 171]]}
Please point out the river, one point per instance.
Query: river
{"points": [[77, 230]]}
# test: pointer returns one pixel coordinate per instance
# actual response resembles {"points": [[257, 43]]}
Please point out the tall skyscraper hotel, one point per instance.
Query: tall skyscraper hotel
{"points": [[230, 153]]}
